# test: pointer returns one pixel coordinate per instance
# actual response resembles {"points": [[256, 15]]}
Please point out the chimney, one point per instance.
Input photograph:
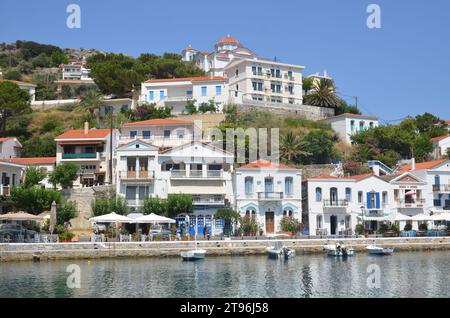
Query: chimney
{"points": [[325, 73], [413, 164], [86, 127]]}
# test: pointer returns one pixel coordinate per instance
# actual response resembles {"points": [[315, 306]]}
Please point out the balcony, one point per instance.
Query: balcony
{"points": [[132, 176], [335, 203], [196, 174], [441, 188], [208, 200], [81, 156], [414, 204], [5, 190], [270, 196]]}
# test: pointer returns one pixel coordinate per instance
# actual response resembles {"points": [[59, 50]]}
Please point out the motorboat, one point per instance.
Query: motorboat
{"points": [[339, 250], [378, 250], [279, 251], [193, 255]]}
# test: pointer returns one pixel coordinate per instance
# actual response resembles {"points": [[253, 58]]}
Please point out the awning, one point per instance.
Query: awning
{"points": [[111, 218], [375, 218], [19, 216], [100, 172], [154, 219]]}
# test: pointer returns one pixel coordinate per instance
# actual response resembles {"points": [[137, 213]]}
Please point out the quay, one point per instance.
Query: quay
{"points": [[60, 251]]}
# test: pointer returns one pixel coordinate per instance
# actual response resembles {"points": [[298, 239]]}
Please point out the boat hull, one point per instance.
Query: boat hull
{"points": [[374, 250], [194, 255]]}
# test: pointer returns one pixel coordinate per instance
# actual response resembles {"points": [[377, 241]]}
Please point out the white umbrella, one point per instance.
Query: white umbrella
{"points": [[20, 216], [421, 217], [440, 217], [153, 218], [111, 218], [401, 217]]}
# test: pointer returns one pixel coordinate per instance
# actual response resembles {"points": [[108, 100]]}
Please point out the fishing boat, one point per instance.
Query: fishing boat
{"points": [[278, 251], [339, 250], [378, 250]]}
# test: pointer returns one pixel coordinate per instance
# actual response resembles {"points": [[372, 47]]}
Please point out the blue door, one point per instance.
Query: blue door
{"points": [[192, 224], [200, 225]]}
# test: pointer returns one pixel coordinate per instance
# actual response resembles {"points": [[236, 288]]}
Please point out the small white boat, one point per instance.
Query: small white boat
{"points": [[278, 251], [378, 250], [193, 255], [339, 250]]}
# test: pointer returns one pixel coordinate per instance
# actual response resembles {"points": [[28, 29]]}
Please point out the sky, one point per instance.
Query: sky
{"points": [[399, 70]]}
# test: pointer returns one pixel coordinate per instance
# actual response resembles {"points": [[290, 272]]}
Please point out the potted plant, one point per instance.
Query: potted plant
{"points": [[359, 229], [408, 227]]}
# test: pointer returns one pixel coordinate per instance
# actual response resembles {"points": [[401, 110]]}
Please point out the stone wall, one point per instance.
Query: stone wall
{"points": [[40, 251], [306, 111]]}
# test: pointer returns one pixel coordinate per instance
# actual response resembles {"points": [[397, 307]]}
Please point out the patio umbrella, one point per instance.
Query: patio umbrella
{"points": [[440, 217], [19, 216], [402, 217], [421, 217], [111, 218], [52, 217], [153, 218]]}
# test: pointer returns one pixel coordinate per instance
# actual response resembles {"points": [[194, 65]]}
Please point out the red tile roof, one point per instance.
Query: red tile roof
{"points": [[228, 40], [265, 164], [159, 122], [18, 83], [79, 134], [352, 115], [4, 139], [436, 139], [33, 161], [187, 79], [423, 165], [447, 122]]}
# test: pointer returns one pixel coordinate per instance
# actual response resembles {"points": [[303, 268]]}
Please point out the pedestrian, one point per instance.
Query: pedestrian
{"points": [[205, 230]]}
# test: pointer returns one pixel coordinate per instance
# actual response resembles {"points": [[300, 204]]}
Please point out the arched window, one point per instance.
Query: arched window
{"points": [[288, 212], [250, 212], [318, 194], [288, 185], [248, 185], [348, 194]]}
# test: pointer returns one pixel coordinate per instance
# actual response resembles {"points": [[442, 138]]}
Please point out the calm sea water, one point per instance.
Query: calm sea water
{"points": [[402, 275]]}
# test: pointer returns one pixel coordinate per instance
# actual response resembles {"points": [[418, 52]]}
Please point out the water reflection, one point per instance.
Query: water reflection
{"points": [[402, 275]]}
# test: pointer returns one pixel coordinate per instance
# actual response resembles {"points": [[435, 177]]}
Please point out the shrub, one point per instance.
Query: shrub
{"points": [[66, 212], [64, 174], [408, 227], [248, 226], [383, 228], [359, 228], [34, 200], [290, 224], [395, 228], [423, 226]]}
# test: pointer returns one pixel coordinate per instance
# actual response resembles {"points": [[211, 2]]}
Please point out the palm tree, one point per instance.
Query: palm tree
{"points": [[323, 94], [291, 146], [91, 102]]}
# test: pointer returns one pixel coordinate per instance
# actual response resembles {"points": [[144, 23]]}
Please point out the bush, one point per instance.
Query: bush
{"points": [[66, 236], [33, 175], [13, 76], [113, 203], [155, 205], [383, 228], [359, 228], [248, 226], [290, 224], [66, 212], [34, 200], [64, 174], [395, 228], [423, 226], [408, 227]]}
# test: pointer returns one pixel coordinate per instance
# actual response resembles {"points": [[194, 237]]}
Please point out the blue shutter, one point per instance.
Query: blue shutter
{"points": [[368, 201], [437, 180], [378, 200]]}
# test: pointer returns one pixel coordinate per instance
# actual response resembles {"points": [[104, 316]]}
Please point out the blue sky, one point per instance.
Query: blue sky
{"points": [[399, 70]]}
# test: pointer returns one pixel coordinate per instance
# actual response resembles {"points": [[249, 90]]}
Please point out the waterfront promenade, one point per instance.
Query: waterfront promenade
{"points": [[57, 251]]}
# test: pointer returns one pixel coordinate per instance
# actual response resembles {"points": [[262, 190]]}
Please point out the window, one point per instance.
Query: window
{"points": [[371, 124], [385, 198], [124, 108], [268, 185], [278, 73], [360, 197], [133, 134], [255, 86], [272, 72], [288, 212], [248, 185], [254, 70], [352, 125], [161, 94], [361, 125], [437, 180], [236, 72], [290, 75], [348, 194], [218, 90], [288, 185], [319, 221], [237, 90], [146, 134], [373, 200], [204, 90], [291, 89], [189, 94], [167, 133], [348, 222], [151, 95], [180, 133], [318, 194]]}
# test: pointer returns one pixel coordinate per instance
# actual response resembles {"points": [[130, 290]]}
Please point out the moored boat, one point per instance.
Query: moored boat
{"points": [[378, 250], [193, 255], [339, 250], [278, 251]]}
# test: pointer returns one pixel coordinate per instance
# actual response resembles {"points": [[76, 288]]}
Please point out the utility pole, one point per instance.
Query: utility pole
{"points": [[356, 101], [111, 146]]}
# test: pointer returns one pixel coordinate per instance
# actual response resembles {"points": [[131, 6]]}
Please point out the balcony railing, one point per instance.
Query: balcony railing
{"points": [[196, 174], [335, 203], [134, 202], [441, 188], [82, 155], [208, 200], [132, 175], [418, 203], [270, 195]]}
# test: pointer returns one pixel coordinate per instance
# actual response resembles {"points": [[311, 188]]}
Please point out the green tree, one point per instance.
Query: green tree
{"points": [[422, 147], [388, 157], [58, 58], [13, 75], [345, 108], [155, 205], [64, 174], [66, 212], [248, 226], [230, 218], [308, 84], [91, 103], [211, 107], [14, 101], [290, 224], [190, 107], [179, 204], [33, 175], [46, 86], [323, 94], [292, 146], [320, 147], [39, 146], [35, 199]]}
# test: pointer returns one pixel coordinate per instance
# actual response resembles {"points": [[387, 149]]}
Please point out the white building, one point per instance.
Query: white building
{"points": [[263, 81], [116, 105], [45, 164], [10, 147], [336, 205], [176, 93], [225, 51], [441, 145], [268, 192], [75, 71], [31, 88], [10, 177], [348, 124], [90, 149]]}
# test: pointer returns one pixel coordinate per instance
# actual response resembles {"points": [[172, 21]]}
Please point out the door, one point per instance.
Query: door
{"points": [[192, 224], [268, 185], [200, 225], [333, 224], [270, 222]]}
